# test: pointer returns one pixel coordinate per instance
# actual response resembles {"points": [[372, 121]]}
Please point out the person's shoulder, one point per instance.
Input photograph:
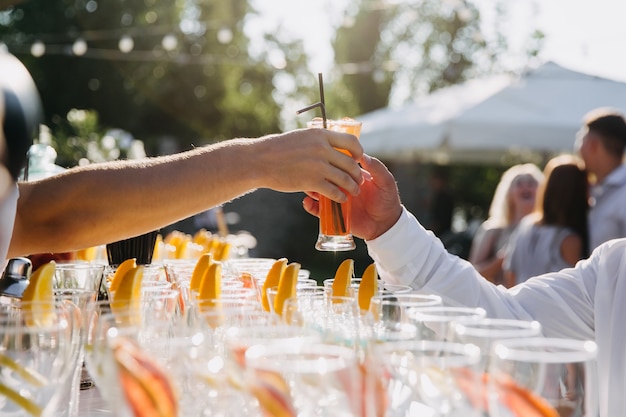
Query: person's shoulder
{"points": [[618, 177], [491, 225]]}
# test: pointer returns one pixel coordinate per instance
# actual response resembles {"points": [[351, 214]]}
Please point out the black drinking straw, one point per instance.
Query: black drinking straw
{"points": [[335, 207]]}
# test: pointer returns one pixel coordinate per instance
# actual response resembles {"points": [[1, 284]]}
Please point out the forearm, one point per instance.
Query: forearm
{"points": [[101, 203], [107, 202]]}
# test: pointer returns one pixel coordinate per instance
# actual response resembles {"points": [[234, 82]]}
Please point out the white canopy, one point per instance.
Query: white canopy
{"points": [[481, 120]]}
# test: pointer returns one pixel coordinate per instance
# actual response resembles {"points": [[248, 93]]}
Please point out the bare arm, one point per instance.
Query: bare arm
{"points": [[480, 254], [102, 203], [572, 249]]}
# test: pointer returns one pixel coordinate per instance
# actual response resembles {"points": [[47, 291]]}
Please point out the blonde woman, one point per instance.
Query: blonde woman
{"points": [[514, 198], [554, 236]]}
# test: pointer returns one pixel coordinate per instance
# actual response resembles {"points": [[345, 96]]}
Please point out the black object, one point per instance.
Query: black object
{"points": [[22, 111], [139, 247], [15, 277]]}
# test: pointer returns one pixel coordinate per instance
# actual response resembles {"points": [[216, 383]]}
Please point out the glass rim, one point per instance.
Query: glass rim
{"points": [[344, 121], [431, 313], [503, 328], [394, 298], [437, 347], [545, 350]]}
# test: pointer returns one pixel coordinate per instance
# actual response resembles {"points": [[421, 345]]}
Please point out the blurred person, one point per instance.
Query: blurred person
{"points": [[513, 199], [554, 236], [584, 302], [601, 143], [106, 202]]}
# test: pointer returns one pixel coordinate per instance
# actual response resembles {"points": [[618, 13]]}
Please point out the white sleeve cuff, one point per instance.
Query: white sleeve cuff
{"points": [[399, 251]]}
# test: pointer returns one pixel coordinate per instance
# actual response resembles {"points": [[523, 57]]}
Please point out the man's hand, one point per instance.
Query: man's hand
{"points": [[376, 208]]}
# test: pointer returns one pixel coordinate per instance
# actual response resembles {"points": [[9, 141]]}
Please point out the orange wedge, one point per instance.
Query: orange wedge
{"points": [[202, 265], [146, 386], [211, 286], [39, 295], [272, 279], [127, 297], [273, 394], [40, 287], [201, 237], [286, 286], [223, 250], [121, 270], [368, 287], [343, 276]]}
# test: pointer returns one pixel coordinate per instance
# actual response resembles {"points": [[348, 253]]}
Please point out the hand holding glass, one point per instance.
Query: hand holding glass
{"points": [[335, 218]]}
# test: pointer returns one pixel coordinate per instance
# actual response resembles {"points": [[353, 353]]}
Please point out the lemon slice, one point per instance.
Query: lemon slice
{"points": [[272, 279], [343, 276], [368, 286], [286, 286], [201, 237], [24, 403], [127, 297], [38, 296], [30, 376], [211, 286], [202, 265], [223, 251], [121, 270]]}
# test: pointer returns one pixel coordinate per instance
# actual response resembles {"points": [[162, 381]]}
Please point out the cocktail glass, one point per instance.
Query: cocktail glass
{"points": [[390, 318], [38, 354], [78, 283], [543, 376], [304, 380], [434, 322], [128, 375], [335, 218], [430, 377]]}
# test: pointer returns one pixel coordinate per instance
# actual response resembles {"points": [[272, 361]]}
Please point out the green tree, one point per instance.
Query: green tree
{"points": [[157, 69], [401, 50]]}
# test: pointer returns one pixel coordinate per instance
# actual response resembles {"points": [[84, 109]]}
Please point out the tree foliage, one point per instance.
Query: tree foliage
{"points": [[188, 74], [398, 50]]}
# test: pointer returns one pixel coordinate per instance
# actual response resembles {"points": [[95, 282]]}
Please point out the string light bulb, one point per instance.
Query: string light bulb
{"points": [[126, 44], [79, 48], [224, 35], [169, 42], [37, 49]]}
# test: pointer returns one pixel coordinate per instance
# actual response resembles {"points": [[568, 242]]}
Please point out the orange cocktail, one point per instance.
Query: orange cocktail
{"points": [[335, 233]]}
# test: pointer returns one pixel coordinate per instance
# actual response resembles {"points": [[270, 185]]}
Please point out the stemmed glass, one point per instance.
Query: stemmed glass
{"points": [[304, 380], [543, 376], [430, 377], [127, 373], [38, 353], [434, 322], [337, 319], [390, 318]]}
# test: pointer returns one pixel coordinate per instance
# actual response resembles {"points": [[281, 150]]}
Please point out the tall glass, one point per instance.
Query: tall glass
{"points": [[335, 218]]}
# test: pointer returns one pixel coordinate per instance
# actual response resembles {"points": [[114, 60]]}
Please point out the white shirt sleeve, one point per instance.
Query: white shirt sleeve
{"points": [[562, 302], [585, 302]]}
